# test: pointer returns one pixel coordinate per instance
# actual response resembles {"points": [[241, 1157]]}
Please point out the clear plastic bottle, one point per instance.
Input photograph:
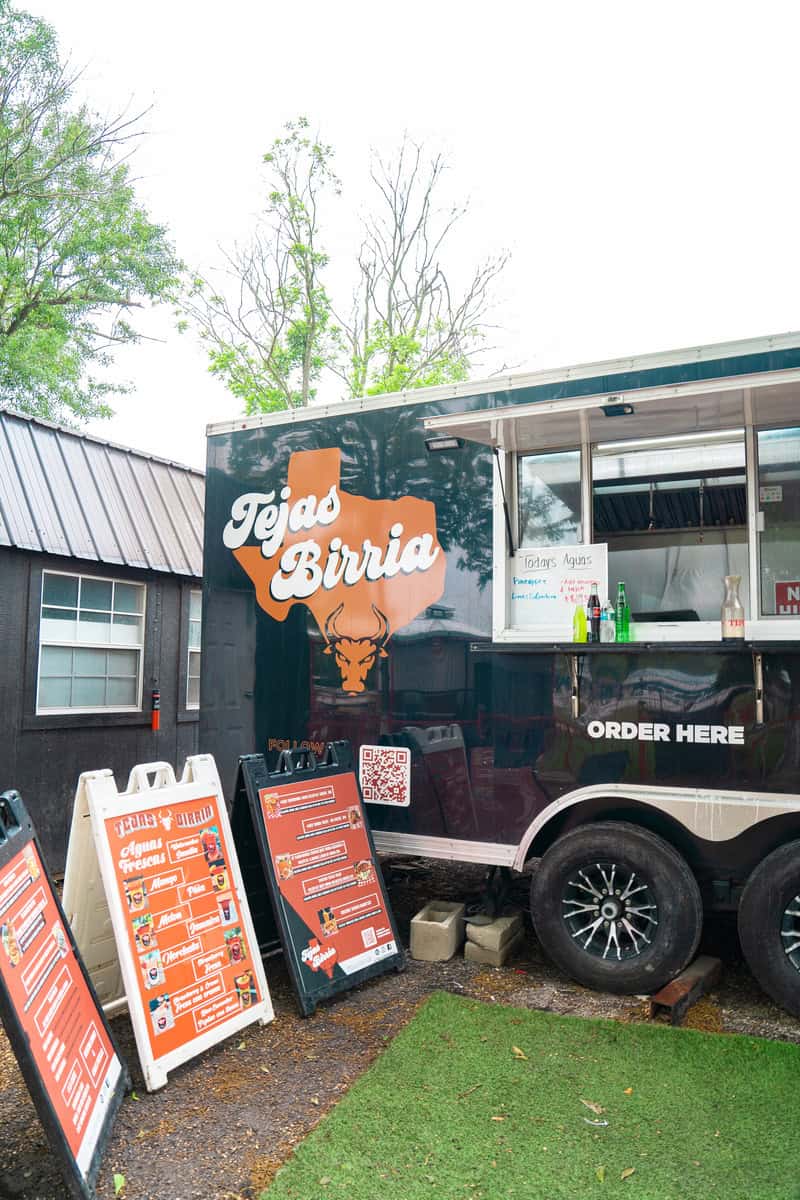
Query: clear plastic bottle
{"points": [[608, 629]]}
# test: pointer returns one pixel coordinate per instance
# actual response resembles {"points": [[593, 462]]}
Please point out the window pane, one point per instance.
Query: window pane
{"points": [[193, 693], [90, 662], [549, 498], [123, 662], [121, 691], [127, 631], [94, 627], [88, 693], [128, 598], [194, 664], [194, 635], [59, 614], [96, 593], [56, 660], [58, 625], [673, 513], [195, 604], [59, 589], [779, 504], [54, 693]]}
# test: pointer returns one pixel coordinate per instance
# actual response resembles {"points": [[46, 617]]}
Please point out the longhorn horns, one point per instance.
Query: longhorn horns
{"points": [[379, 638]]}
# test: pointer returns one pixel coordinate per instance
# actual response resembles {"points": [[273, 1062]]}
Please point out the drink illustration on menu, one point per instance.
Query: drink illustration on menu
{"points": [[183, 924]]}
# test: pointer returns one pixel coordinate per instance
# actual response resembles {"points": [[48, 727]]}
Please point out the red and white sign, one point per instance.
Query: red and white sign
{"points": [[787, 598], [67, 1039], [189, 955], [325, 873]]}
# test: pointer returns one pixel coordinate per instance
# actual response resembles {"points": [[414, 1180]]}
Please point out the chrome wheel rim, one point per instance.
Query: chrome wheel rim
{"points": [[611, 913], [790, 932]]}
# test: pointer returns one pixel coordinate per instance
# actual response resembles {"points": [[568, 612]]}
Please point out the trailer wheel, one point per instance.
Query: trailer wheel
{"points": [[769, 925], [616, 907]]}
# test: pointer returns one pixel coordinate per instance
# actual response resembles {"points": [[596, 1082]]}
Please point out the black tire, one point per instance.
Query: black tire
{"points": [[768, 900], [665, 912]]}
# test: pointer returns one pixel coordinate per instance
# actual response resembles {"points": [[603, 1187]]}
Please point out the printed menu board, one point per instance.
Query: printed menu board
{"points": [[336, 926], [52, 1017], [196, 966]]}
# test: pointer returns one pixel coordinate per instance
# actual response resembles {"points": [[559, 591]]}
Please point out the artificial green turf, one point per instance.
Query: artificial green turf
{"points": [[710, 1116]]}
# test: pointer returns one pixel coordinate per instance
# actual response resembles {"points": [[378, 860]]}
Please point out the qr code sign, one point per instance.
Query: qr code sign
{"points": [[385, 775]]}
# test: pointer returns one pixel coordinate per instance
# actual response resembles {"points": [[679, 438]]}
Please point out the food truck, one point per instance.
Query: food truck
{"points": [[404, 571]]}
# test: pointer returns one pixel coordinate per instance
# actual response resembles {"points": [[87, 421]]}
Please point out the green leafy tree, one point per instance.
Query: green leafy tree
{"points": [[78, 253], [270, 325], [267, 323]]}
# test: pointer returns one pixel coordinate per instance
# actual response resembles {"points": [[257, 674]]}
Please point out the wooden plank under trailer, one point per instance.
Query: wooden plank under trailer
{"points": [[677, 997]]}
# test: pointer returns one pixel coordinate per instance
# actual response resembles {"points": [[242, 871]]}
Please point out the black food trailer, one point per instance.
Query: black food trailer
{"points": [[407, 572]]}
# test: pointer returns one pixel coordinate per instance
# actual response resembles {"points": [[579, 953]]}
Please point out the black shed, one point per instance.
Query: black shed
{"points": [[100, 608]]}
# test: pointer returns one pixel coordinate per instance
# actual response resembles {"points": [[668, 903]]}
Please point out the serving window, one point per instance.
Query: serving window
{"points": [[673, 513], [673, 487], [779, 520]]}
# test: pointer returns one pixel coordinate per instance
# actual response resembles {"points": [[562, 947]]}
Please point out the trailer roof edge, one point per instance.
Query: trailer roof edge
{"points": [[514, 382]]}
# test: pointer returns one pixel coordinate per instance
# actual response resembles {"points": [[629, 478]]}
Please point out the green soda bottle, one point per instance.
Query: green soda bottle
{"points": [[579, 627], [622, 616]]}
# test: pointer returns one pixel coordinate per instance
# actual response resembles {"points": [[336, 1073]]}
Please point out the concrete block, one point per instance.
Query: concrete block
{"points": [[493, 958], [437, 931], [495, 935]]}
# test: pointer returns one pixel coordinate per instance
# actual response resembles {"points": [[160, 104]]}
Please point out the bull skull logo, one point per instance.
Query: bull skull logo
{"points": [[355, 656]]}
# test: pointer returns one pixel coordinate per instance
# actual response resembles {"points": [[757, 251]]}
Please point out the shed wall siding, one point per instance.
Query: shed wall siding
{"points": [[42, 756]]}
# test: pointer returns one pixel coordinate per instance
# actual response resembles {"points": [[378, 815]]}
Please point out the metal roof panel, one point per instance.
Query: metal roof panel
{"points": [[33, 481], [17, 517], [159, 511], [82, 462], [64, 496], [77, 496]]}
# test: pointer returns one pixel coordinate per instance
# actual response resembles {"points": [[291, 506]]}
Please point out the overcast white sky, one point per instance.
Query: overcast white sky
{"points": [[640, 161]]}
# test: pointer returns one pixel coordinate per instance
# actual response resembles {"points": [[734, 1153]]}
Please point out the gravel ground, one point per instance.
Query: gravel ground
{"points": [[225, 1122]]}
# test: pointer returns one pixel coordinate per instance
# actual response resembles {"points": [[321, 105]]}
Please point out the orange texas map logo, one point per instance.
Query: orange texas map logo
{"points": [[364, 568]]}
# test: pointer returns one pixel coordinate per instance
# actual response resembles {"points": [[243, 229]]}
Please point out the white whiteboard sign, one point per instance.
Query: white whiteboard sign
{"points": [[547, 582]]}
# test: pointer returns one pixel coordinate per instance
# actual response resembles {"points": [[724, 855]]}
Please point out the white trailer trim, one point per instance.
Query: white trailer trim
{"points": [[493, 854], [510, 383], [497, 420], [713, 816]]}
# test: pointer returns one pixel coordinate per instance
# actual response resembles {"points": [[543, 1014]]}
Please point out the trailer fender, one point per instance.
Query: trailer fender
{"points": [[713, 815]]}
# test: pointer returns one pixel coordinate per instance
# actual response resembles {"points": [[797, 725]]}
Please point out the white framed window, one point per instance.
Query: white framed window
{"points": [[778, 521], [193, 663], [91, 644]]}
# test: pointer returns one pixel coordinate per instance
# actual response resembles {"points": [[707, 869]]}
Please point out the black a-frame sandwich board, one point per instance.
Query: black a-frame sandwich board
{"points": [[50, 1011], [318, 861]]}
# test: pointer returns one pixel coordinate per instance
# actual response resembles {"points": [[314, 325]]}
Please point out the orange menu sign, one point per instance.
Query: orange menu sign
{"points": [[183, 926], [334, 905], [67, 1039]]}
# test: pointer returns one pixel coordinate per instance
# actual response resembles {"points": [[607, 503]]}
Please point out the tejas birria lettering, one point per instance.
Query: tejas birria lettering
{"points": [[364, 568]]}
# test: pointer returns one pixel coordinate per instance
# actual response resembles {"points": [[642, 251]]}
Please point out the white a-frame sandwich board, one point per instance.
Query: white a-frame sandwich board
{"points": [[154, 893]]}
